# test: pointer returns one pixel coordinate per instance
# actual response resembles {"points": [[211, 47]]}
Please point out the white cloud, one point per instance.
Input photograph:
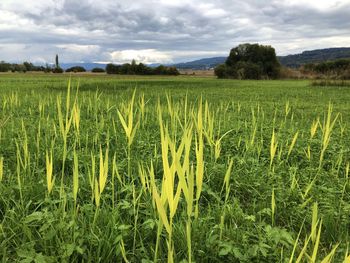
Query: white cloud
{"points": [[146, 56], [79, 48]]}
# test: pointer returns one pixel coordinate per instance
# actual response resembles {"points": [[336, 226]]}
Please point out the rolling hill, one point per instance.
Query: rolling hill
{"points": [[312, 56], [292, 61]]}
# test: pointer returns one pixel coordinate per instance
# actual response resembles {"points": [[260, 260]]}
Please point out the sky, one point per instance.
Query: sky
{"points": [[165, 31]]}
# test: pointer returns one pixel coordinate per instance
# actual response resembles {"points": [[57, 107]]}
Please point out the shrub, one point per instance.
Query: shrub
{"points": [[76, 69], [57, 70], [221, 71], [98, 70]]}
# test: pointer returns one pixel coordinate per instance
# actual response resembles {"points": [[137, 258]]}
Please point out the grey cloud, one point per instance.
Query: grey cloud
{"points": [[193, 26]]}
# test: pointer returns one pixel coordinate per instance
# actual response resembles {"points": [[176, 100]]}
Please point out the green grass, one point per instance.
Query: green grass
{"points": [[251, 211]]}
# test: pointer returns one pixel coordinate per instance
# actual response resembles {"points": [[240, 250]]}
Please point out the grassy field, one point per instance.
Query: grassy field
{"points": [[177, 169]]}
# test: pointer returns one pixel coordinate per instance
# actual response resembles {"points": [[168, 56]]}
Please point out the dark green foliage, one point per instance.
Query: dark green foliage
{"points": [[5, 67], [56, 62], [76, 69], [250, 61], [140, 69], [26, 66], [112, 69], [339, 68], [98, 70], [220, 71], [57, 70], [30, 67]]}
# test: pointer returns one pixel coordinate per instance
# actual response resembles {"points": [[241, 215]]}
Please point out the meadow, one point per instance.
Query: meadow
{"points": [[97, 168]]}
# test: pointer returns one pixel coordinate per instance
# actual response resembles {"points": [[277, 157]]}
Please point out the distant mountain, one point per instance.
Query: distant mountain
{"points": [[312, 56], [87, 66], [204, 63], [292, 61]]}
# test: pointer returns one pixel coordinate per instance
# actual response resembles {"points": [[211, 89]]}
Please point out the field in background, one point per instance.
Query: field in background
{"points": [[150, 169]]}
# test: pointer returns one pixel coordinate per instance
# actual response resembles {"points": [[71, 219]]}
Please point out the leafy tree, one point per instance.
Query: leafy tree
{"points": [[19, 68], [56, 62], [112, 69], [250, 61], [5, 67], [76, 69], [98, 70], [221, 71], [57, 68]]}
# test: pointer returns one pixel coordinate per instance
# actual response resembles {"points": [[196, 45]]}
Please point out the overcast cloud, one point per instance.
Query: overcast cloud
{"points": [[165, 31]]}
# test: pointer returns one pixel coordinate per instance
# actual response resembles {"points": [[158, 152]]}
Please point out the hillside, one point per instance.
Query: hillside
{"points": [[87, 66], [313, 56], [293, 61], [205, 63]]}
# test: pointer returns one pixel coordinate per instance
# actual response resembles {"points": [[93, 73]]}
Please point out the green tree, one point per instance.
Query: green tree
{"points": [[98, 70], [57, 68], [76, 69], [251, 61], [221, 71], [56, 61]]}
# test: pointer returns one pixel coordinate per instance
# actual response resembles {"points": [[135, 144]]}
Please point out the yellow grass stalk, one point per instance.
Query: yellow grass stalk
{"points": [[91, 174], [115, 171], [314, 221], [308, 152], [287, 109], [76, 118], [227, 177], [142, 107], [227, 186], [97, 195], [329, 257], [1, 168], [49, 168], [291, 146], [303, 250], [75, 177], [128, 123], [103, 170], [347, 258], [327, 131], [273, 147], [122, 249], [217, 144], [199, 156], [273, 206], [316, 243], [295, 244], [313, 129]]}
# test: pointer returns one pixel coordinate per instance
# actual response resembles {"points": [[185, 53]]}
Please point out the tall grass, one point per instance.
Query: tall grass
{"points": [[156, 174]]}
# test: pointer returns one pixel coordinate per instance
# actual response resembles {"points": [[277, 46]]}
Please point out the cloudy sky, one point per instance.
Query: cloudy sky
{"points": [[165, 31]]}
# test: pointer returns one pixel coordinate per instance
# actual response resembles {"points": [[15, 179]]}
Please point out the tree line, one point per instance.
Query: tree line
{"points": [[140, 69], [338, 67], [24, 67], [126, 69]]}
